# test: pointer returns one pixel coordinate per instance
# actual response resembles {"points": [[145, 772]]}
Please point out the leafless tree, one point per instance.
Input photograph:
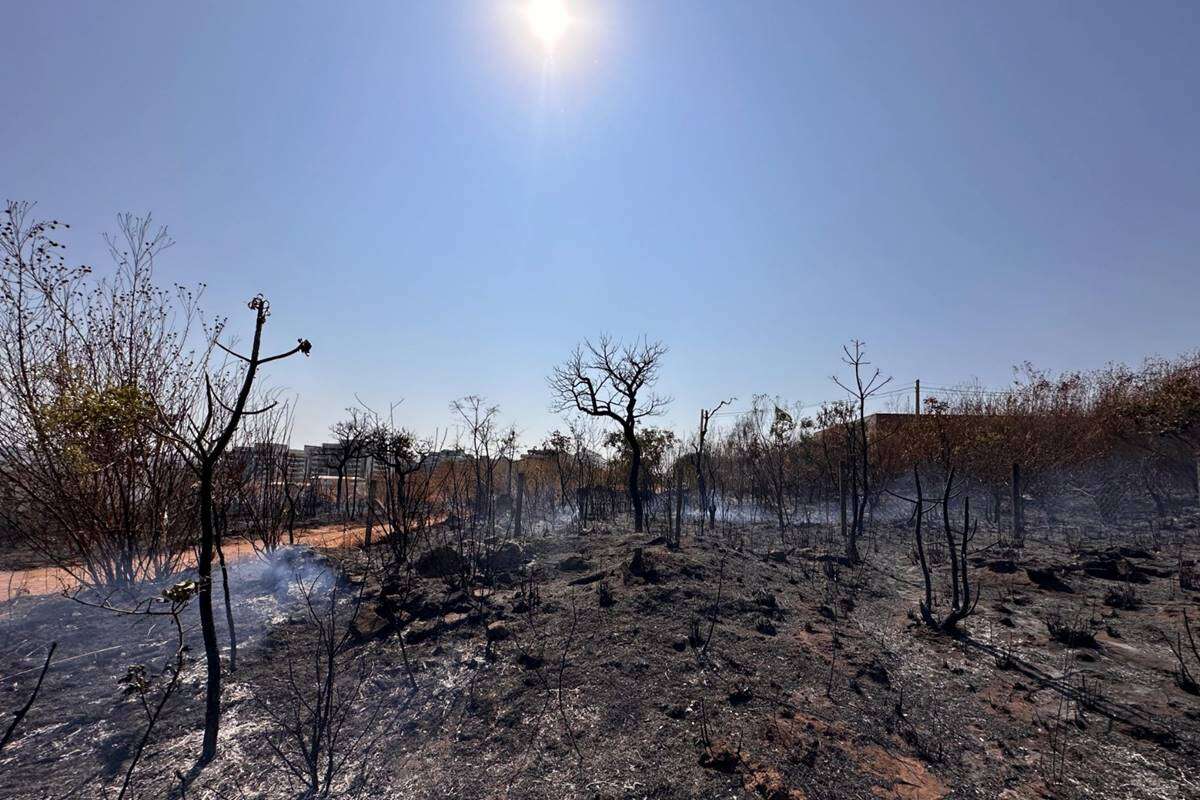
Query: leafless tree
{"points": [[962, 602], [480, 437], [350, 440], [323, 727], [614, 380], [700, 460], [202, 439], [92, 485], [943, 440], [860, 390], [405, 460]]}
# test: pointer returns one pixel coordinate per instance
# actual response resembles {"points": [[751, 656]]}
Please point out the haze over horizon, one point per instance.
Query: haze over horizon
{"points": [[444, 211]]}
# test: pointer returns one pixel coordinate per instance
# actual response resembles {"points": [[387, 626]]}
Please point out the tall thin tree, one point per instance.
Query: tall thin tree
{"points": [[862, 389], [203, 442]]}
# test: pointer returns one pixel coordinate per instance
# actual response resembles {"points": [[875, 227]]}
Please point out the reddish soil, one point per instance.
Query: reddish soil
{"points": [[17, 581]]}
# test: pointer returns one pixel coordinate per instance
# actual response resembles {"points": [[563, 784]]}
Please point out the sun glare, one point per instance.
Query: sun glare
{"points": [[549, 20]]}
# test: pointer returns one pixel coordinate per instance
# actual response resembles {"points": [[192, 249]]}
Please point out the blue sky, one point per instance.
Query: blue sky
{"points": [[965, 186]]}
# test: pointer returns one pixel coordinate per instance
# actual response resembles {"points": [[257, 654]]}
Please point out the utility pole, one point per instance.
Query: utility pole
{"points": [[918, 390]]}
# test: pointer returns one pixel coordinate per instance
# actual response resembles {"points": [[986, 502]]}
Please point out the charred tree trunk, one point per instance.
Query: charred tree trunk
{"points": [[208, 628], [861, 493], [291, 518], [635, 472], [927, 603], [949, 530], [206, 452], [964, 604], [701, 482]]}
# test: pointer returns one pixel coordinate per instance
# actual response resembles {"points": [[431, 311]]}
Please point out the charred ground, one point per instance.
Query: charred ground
{"points": [[736, 665]]}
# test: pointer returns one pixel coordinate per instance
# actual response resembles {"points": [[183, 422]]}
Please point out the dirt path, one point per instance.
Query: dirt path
{"points": [[47, 580]]}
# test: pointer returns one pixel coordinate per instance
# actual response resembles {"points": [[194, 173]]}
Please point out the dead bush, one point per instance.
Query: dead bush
{"points": [[323, 731], [1072, 631]]}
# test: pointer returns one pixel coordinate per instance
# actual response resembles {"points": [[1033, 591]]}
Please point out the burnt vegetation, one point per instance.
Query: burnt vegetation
{"points": [[977, 592]]}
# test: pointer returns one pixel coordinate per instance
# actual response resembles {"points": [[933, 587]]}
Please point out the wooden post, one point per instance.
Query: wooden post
{"points": [[1017, 503], [519, 504]]}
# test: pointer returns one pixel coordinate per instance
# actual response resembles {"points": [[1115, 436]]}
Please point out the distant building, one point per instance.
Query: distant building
{"points": [[539, 455], [448, 456], [297, 466]]}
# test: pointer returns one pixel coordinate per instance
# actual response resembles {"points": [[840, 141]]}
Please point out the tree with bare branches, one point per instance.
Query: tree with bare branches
{"points": [[91, 484], [404, 460], [202, 440], [700, 460], [614, 380], [350, 444], [860, 390], [947, 439], [480, 437], [322, 728]]}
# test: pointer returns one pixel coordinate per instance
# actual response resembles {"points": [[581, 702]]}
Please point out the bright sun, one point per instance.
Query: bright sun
{"points": [[549, 20]]}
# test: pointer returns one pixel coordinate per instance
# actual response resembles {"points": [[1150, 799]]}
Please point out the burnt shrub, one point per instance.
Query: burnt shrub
{"points": [[1071, 631]]}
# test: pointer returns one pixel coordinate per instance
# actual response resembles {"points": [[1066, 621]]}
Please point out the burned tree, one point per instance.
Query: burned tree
{"points": [[407, 484], [482, 441], [700, 460], [203, 441], [613, 380], [860, 390], [322, 727], [350, 443], [558, 445], [942, 441]]}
